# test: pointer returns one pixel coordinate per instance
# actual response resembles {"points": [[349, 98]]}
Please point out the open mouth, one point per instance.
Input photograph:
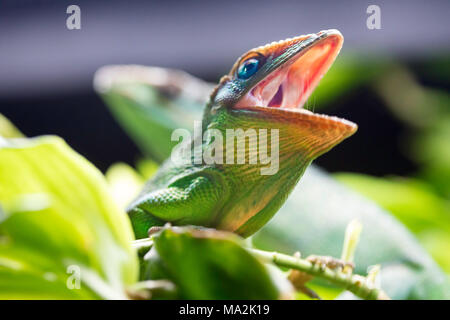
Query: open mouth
{"points": [[305, 60]]}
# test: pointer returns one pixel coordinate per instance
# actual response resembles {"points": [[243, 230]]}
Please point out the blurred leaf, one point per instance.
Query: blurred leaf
{"points": [[437, 243], [313, 221], [147, 168], [427, 111], [437, 67], [323, 290], [414, 204], [408, 100], [125, 183], [134, 119], [410, 200], [208, 264], [348, 72], [7, 129], [432, 150], [58, 214], [152, 102]]}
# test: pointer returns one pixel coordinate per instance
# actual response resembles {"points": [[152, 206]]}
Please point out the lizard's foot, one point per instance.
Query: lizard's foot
{"points": [[330, 262], [299, 279]]}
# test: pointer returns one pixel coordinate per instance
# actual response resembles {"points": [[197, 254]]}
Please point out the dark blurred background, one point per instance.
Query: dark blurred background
{"points": [[46, 70]]}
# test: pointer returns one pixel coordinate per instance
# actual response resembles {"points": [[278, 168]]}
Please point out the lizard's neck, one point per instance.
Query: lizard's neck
{"points": [[260, 172]]}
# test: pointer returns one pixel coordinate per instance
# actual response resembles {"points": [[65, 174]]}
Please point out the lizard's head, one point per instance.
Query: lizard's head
{"points": [[274, 81], [266, 89]]}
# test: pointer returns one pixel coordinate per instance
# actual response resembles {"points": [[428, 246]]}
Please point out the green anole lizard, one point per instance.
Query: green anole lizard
{"points": [[265, 90]]}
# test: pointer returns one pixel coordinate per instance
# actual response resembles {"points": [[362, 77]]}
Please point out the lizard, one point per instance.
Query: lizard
{"points": [[265, 90], [150, 102]]}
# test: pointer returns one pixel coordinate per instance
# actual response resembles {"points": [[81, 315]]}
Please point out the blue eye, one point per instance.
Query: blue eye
{"points": [[248, 68]]}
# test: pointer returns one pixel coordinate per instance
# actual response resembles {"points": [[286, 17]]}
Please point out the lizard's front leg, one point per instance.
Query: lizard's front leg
{"points": [[191, 200]]}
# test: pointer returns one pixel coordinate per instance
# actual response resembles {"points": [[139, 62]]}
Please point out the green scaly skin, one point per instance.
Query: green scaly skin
{"points": [[237, 197]]}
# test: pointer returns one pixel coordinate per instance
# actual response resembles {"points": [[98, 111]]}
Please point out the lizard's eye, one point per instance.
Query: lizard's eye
{"points": [[248, 68]]}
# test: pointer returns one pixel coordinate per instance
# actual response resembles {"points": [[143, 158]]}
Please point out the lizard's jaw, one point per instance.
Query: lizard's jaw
{"points": [[295, 67]]}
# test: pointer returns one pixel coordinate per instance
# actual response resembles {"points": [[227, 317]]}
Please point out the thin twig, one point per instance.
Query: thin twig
{"points": [[356, 284]]}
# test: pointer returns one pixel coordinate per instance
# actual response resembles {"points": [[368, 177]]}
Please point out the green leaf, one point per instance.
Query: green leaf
{"points": [[7, 129], [208, 264], [58, 216], [147, 168], [150, 103], [415, 204], [324, 290], [348, 73], [432, 150], [125, 183], [426, 110]]}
